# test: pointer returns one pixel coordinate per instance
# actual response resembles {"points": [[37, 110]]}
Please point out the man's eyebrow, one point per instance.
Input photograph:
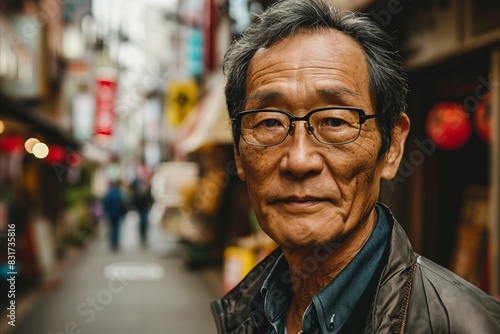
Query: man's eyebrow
{"points": [[263, 97], [337, 93]]}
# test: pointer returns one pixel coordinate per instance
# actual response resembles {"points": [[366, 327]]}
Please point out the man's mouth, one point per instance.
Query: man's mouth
{"points": [[300, 201]]}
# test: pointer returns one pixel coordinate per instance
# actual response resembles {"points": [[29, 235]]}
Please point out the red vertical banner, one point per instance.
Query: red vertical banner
{"points": [[105, 94], [210, 23]]}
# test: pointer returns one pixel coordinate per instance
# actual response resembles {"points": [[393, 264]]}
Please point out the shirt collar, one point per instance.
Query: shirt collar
{"points": [[277, 291], [336, 301]]}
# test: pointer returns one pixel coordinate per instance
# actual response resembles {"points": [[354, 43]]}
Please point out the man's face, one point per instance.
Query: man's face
{"points": [[305, 193]]}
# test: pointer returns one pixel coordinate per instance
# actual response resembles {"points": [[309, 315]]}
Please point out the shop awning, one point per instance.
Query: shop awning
{"points": [[209, 124], [17, 110]]}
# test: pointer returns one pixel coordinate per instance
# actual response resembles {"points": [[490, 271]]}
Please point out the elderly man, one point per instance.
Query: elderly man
{"points": [[317, 99]]}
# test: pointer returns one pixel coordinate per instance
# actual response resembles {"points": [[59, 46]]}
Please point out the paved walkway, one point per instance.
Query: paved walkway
{"points": [[133, 291]]}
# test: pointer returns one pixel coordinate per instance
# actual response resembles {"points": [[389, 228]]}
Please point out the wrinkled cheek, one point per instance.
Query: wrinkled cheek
{"points": [[258, 206], [357, 180], [255, 180], [256, 192], [358, 163], [367, 189], [355, 163], [259, 170]]}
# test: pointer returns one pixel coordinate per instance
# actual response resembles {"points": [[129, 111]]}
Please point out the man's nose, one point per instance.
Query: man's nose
{"points": [[301, 155]]}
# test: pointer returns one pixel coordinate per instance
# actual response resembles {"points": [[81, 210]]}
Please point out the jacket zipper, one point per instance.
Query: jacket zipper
{"points": [[406, 298]]}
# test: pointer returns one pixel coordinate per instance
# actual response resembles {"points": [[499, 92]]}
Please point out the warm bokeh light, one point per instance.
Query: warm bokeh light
{"points": [[40, 150], [29, 143], [2, 126]]}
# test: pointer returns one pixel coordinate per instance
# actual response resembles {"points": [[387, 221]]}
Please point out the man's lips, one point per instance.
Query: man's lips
{"points": [[300, 201]]}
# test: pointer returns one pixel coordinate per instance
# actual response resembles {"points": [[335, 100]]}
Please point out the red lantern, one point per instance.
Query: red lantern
{"points": [[482, 119], [11, 143], [448, 125], [56, 154]]}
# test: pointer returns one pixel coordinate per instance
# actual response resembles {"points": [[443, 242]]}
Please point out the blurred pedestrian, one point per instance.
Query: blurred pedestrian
{"points": [[142, 199], [115, 207]]}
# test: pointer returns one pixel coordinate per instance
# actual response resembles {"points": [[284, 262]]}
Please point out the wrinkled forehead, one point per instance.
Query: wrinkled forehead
{"points": [[326, 63]]}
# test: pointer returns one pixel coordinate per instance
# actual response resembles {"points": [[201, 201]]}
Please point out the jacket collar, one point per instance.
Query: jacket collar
{"points": [[391, 298]]}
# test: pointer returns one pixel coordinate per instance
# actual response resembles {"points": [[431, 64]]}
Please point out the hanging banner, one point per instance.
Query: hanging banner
{"points": [[209, 38], [105, 93], [182, 97], [82, 110]]}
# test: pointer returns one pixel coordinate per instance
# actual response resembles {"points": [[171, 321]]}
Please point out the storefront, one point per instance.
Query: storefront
{"points": [[447, 191], [37, 162]]}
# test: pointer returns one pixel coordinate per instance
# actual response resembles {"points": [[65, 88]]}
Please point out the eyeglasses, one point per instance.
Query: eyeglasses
{"points": [[331, 125]]}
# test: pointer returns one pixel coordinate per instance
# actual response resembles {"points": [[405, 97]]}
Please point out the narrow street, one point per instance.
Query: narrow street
{"points": [[137, 290]]}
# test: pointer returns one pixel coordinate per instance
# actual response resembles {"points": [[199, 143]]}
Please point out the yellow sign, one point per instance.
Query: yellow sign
{"points": [[182, 96]]}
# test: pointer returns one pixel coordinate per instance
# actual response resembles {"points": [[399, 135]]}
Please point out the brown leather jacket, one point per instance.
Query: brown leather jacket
{"points": [[414, 295]]}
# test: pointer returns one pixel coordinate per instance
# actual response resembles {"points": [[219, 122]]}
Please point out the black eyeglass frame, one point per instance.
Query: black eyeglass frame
{"points": [[363, 117]]}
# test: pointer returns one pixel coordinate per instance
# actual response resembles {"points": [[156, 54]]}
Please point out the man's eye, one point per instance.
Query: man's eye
{"points": [[334, 122], [269, 123]]}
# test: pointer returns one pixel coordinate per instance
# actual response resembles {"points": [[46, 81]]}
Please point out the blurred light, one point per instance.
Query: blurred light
{"points": [[29, 143], [72, 43], [40, 150], [132, 56], [88, 28], [2, 126]]}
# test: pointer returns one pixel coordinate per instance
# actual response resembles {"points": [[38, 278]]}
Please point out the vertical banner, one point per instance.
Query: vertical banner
{"points": [[194, 50], [105, 93], [210, 24], [82, 109]]}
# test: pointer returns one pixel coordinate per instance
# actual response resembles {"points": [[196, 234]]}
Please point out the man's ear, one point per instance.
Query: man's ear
{"points": [[395, 153], [239, 167]]}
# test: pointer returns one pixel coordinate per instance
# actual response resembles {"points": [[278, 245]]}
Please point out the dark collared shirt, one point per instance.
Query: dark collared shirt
{"points": [[332, 306]]}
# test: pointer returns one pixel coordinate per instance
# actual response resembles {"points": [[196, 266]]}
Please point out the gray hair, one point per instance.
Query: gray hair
{"points": [[388, 81]]}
